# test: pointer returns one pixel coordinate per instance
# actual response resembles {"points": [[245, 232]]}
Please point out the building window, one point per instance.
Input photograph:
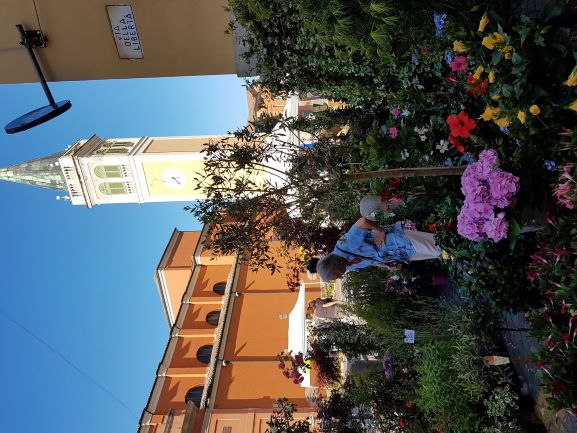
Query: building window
{"points": [[113, 188], [108, 171], [227, 430], [219, 288], [203, 353], [213, 317], [194, 395], [111, 147]]}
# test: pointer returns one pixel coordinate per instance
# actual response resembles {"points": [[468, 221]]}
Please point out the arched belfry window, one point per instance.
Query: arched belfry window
{"points": [[194, 395], [203, 353], [108, 171], [213, 317], [219, 288], [113, 188]]}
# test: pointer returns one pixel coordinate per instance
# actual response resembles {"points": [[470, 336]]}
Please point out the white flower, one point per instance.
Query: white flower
{"points": [[422, 133], [404, 154], [405, 113], [443, 146]]}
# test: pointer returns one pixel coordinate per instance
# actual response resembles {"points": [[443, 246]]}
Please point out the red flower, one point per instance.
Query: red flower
{"points": [[432, 228], [451, 78], [461, 125], [566, 338], [532, 276], [476, 88], [460, 148], [424, 51], [409, 405], [549, 342], [564, 308], [559, 389], [450, 227], [402, 422]]}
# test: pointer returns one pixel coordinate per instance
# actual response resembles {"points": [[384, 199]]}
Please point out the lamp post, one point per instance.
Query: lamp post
{"points": [[34, 39]]}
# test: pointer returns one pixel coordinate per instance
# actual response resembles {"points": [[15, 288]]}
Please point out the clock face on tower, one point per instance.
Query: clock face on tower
{"points": [[173, 178]]}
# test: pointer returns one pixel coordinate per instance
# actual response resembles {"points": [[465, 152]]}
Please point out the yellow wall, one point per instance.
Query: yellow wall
{"points": [[155, 172], [178, 37]]}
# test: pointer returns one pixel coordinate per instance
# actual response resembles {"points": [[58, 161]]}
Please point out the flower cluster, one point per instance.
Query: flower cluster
{"points": [[388, 366], [485, 187], [566, 190], [293, 366]]}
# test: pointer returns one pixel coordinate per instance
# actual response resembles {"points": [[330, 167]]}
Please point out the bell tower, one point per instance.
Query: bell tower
{"points": [[120, 170]]}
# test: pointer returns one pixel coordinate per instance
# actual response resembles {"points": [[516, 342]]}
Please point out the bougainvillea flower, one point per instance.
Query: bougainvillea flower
{"points": [[459, 47], [483, 23], [461, 125], [572, 79], [457, 144], [522, 117], [534, 110], [459, 64]]}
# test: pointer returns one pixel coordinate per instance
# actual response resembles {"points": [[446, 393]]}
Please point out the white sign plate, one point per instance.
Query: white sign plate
{"points": [[409, 336], [124, 31]]}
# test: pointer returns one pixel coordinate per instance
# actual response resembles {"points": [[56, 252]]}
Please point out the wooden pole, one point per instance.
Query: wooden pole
{"points": [[407, 172]]}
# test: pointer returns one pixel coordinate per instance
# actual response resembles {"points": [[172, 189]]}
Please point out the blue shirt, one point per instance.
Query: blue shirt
{"points": [[360, 242]]}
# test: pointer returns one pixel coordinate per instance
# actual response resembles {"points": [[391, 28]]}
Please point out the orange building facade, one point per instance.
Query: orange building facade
{"points": [[219, 371]]}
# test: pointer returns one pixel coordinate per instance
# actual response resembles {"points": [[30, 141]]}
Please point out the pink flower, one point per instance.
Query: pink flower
{"points": [[459, 64], [503, 186], [281, 365], [532, 276], [564, 308], [496, 228], [395, 112], [409, 225], [393, 132], [549, 342]]}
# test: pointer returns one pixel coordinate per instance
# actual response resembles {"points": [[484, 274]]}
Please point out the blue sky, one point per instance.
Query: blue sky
{"points": [[81, 279]]}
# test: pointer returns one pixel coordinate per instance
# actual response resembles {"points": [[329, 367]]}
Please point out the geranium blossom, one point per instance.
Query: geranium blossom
{"points": [[459, 64], [461, 125]]}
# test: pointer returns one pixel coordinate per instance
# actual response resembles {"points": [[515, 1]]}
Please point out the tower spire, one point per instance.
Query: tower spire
{"points": [[43, 172]]}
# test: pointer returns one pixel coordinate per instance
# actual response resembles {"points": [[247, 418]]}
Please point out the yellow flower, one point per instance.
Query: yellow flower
{"points": [[499, 38], [489, 113], [573, 105], [496, 97], [478, 72], [491, 77], [572, 79], [445, 255], [483, 23], [534, 110], [522, 116], [503, 122], [459, 47], [506, 50], [488, 42]]}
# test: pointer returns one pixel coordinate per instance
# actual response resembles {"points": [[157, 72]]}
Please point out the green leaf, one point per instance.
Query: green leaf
{"points": [[514, 231], [506, 89], [497, 56], [516, 59], [538, 40], [551, 10]]}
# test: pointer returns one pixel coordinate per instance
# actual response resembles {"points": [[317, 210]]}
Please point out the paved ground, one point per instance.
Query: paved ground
{"points": [[520, 346]]}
